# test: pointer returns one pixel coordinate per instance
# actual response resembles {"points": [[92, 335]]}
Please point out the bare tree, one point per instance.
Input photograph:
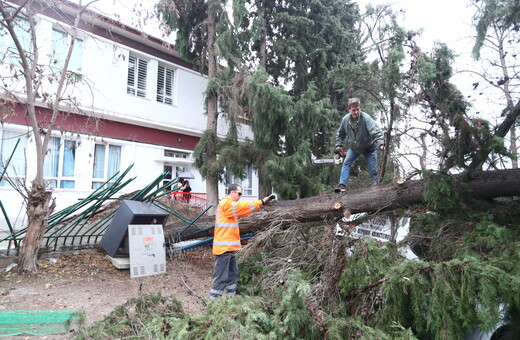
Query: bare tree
{"points": [[496, 48], [34, 85]]}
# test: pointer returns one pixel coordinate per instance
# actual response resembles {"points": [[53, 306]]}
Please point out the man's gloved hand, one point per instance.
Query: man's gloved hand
{"points": [[268, 199], [382, 147], [338, 150]]}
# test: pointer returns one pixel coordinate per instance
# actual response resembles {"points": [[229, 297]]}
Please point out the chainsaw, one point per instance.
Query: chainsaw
{"points": [[339, 157]]}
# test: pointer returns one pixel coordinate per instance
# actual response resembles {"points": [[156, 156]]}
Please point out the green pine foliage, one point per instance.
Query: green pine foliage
{"points": [[368, 263], [354, 328], [443, 193], [502, 13], [139, 318], [188, 22], [237, 318], [446, 298], [209, 144], [295, 319], [465, 143], [241, 317], [489, 231], [305, 282], [251, 269]]}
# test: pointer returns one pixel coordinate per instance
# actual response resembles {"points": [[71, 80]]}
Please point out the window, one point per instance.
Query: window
{"points": [[178, 170], [245, 118], [136, 83], [165, 85], [246, 183], [175, 154], [16, 167], [106, 164], [168, 178], [60, 45], [58, 170], [169, 169], [22, 30]]}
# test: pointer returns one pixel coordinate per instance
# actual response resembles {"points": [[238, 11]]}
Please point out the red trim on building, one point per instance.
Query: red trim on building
{"points": [[77, 123]]}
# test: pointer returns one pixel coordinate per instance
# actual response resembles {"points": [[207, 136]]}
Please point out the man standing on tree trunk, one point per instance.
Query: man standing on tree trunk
{"points": [[226, 239], [363, 137]]}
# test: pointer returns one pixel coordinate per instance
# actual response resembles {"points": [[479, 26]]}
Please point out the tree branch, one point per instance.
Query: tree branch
{"points": [[356, 292]]}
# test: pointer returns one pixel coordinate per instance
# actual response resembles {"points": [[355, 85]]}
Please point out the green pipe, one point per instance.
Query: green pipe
{"points": [[77, 229], [193, 222], [143, 194], [90, 212], [9, 159], [171, 211], [98, 197], [8, 222], [103, 223], [160, 192]]}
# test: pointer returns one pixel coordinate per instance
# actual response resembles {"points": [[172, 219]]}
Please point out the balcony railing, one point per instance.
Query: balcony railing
{"points": [[197, 199]]}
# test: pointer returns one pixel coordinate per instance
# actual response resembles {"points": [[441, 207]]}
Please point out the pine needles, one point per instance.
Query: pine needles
{"points": [[304, 282]]}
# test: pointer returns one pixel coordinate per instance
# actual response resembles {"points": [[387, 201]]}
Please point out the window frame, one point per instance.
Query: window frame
{"points": [[57, 58], [97, 182], [244, 118], [162, 80], [138, 85], [8, 48], [57, 176], [176, 154], [20, 167], [246, 183]]}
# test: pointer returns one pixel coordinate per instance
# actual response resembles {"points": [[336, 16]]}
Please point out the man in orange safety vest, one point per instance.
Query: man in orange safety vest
{"points": [[226, 239]]}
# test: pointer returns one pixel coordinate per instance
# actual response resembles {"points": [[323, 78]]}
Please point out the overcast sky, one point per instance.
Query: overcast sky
{"points": [[446, 21], [442, 20]]}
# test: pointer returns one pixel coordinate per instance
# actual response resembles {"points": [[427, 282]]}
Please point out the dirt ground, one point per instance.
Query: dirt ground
{"points": [[91, 282]]}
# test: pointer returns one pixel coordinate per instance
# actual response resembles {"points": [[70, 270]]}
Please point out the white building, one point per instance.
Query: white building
{"points": [[139, 103]]}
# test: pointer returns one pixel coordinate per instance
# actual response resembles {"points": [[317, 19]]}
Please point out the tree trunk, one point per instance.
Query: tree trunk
{"points": [[263, 188], [388, 140], [483, 185], [501, 131], [212, 102], [262, 53], [513, 148], [38, 210]]}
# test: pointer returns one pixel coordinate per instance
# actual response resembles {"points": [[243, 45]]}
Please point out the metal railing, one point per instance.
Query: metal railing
{"points": [[197, 199], [84, 223]]}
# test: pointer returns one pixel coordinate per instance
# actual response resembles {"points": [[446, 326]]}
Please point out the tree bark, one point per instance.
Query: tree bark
{"points": [[483, 185], [501, 131], [38, 199], [212, 102], [38, 210]]}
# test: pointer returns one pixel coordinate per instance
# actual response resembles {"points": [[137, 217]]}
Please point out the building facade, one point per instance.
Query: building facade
{"points": [[131, 100]]}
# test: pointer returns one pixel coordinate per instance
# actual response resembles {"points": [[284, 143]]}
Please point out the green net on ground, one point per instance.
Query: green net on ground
{"points": [[38, 322]]}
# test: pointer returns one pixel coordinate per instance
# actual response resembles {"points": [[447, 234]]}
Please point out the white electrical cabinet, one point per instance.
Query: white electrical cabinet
{"points": [[147, 252]]}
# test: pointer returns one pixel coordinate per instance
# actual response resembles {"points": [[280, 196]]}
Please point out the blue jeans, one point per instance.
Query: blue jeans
{"points": [[225, 275], [351, 156]]}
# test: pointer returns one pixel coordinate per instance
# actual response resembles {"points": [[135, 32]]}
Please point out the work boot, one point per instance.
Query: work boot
{"points": [[342, 188]]}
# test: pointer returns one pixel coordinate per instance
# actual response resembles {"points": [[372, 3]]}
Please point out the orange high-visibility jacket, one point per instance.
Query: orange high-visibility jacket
{"points": [[227, 235]]}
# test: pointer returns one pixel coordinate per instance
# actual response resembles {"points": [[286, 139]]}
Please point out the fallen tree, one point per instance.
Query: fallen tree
{"points": [[483, 185]]}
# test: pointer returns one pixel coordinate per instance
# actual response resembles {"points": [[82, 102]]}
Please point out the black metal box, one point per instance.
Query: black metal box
{"points": [[115, 239]]}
